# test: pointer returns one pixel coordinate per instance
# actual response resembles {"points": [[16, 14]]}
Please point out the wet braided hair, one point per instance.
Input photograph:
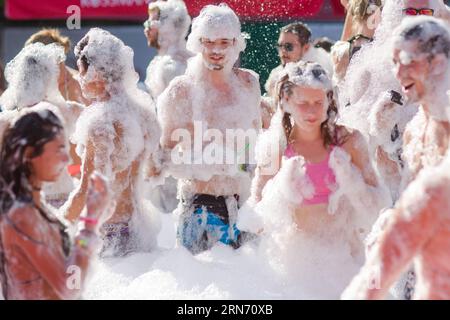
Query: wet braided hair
{"points": [[328, 127]]}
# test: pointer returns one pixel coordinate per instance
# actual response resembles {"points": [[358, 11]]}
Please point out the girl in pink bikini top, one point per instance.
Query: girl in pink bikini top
{"points": [[306, 99], [321, 176]]}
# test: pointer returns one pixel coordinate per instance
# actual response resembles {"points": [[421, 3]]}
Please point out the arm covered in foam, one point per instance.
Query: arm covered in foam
{"points": [[95, 157], [409, 226]]}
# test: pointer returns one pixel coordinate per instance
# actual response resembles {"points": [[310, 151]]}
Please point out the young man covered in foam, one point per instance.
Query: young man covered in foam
{"points": [[68, 84], [326, 191], [32, 78], [212, 100], [371, 97], [166, 30], [421, 51], [117, 134], [417, 229]]}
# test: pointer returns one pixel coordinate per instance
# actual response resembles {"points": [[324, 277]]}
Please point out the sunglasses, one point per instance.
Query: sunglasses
{"points": [[288, 47], [417, 12]]}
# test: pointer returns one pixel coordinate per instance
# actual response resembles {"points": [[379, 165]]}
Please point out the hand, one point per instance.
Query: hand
{"points": [[97, 196]]}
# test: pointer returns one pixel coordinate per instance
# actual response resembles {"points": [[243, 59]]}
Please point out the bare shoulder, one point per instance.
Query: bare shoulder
{"points": [[180, 85], [352, 139], [249, 77], [25, 220], [71, 71], [407, 135]]}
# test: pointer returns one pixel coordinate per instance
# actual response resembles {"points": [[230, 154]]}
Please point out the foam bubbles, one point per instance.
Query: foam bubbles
{"points": [[32, 76]]}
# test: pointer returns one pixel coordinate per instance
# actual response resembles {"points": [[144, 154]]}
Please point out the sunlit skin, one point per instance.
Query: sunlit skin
{"points": [[48, 166], [414, 79], [412, 76], [417, 228], [299, 50], [38, 269], [295, 55], [68, 85], [152, 33], [307, 108], [95, 88], [125, 204], [222, 96], [215, 51], [416, 233]]}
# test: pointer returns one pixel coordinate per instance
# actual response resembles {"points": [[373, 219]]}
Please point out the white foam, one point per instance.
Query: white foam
{"points": [[174, 22], [171, 61], [129, 113], [215, 23], [32, 76]]}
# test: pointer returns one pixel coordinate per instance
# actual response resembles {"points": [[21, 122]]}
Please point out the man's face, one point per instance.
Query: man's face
{"points": [[151, 28], [91, 88], [422, 7], [412, 73], [216, 52], [290, 49]]}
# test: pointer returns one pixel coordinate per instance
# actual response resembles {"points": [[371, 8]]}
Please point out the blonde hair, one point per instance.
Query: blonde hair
{"points": [[358, 9], [47, 36]]}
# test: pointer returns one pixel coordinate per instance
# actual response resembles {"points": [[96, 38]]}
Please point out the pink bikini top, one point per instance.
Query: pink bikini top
{"points": [[321, 176]]}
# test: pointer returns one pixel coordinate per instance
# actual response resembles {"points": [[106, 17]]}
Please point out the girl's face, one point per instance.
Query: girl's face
{"points": [[308, 107], [51, 162]]}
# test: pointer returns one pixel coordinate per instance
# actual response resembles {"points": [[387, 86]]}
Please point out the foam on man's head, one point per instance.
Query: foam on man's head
{"points": [[108, 56], [422, 37], [174, 21], [32, 75], [213, 23]]}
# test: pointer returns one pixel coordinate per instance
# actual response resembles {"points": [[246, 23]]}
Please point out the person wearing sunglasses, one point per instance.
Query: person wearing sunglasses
{"points": [[295, 44], [431, 8], [416, 230], [417, 12]]}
